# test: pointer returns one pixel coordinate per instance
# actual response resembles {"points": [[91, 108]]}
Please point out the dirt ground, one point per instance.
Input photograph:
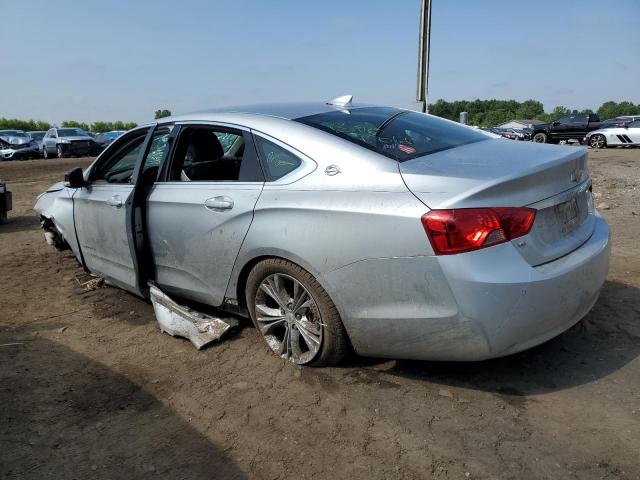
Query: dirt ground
{"points": [[89, 388]]}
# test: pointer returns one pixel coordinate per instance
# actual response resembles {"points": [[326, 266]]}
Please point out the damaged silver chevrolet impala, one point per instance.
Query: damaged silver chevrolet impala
{"points": [[336, 225]]}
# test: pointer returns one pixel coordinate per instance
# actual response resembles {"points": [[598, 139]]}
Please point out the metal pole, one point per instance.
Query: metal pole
{"points": [[423, 54]]}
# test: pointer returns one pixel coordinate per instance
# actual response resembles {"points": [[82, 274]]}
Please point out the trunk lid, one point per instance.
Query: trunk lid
{"points": [[500, 173]]}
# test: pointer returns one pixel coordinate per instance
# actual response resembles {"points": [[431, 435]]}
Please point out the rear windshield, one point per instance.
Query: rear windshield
{"points": [[398, 134]]}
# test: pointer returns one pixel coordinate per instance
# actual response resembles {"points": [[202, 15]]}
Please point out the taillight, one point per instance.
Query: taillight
{"points": [[466, 229]]}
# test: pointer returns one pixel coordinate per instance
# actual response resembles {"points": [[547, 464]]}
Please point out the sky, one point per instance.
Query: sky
{"points": [[124, 59]]}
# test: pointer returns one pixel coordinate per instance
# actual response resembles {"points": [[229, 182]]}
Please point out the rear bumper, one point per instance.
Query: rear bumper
{"points": [[472, 306]]}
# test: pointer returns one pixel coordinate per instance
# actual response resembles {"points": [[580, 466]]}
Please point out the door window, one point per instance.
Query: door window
{"points": [[214, 154], [118, 167], [277, 161], [155, 155]]}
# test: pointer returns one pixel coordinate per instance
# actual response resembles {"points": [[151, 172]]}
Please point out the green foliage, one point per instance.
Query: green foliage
{"points": [[489, 113], [613, 109], [99, 127], [162, 114], [26, 125]]}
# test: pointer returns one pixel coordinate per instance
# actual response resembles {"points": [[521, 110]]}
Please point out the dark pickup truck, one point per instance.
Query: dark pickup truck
{"points": [[566, 128]]}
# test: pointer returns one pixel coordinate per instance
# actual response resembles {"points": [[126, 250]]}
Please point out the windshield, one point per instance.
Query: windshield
{"points": [[395, 133], [13, 133], [112, 135], [71, 132], [37, 135]]}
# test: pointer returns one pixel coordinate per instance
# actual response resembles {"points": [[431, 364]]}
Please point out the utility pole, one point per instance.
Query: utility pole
{"points": [[423, 54]]}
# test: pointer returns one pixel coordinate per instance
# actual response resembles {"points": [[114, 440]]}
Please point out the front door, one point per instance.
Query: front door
{"points": [[102, 213], [200, 211]]}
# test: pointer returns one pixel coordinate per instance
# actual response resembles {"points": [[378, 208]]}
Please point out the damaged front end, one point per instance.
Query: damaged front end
{"points": [[52, 235]]}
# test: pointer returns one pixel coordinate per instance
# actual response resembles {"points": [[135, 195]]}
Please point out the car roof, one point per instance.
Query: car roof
{"points": [[285, 110]]}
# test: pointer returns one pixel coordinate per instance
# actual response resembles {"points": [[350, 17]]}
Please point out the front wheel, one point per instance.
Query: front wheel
{"points": [[540, 137], [597, 141], [45, 153], [59, 151], [294, 314]]}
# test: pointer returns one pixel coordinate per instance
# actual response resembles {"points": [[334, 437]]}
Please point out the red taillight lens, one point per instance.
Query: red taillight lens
{"points": [[467, 229]]}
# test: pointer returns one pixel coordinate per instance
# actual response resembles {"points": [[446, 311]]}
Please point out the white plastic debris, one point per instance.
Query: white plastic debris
{"points": [[180, 321]]}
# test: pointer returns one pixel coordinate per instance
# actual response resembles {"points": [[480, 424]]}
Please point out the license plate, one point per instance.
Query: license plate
{"points": [[568, 215]]}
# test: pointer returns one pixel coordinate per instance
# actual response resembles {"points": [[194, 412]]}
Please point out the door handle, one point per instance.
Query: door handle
{"points": [[115, 201], [219, 203]]}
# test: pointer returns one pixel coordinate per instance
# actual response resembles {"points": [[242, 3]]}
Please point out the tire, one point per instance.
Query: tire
{"points": [[540, 138], [59, 151], [312, 334], [45, 153], [597, 141]]}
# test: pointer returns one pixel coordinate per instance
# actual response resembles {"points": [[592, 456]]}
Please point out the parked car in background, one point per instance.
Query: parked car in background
{"points": [[569, 127], [629, 134], [103, 140], [64, 142], [488, 132], [402, 234], [37, 136], [519, 133], [620, 121], [501, 132], [17, 145]]}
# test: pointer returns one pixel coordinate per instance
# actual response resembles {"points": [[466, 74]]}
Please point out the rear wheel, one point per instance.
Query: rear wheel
{"points": [[540, 137], [294, 314], [598, 141]]}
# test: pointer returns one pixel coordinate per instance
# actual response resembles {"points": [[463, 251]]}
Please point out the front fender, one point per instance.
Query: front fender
{"points": [[56, 204]]}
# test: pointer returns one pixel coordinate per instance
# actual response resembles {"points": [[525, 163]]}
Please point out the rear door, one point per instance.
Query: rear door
{"points": [[103, 212], [200, 210]]}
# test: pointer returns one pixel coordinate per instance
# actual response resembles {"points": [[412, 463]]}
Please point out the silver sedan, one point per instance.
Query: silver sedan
{"points": [[337, 226]]}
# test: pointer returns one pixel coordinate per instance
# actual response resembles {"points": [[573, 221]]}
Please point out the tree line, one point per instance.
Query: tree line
{"points": [[96, 127], [489, 113]]}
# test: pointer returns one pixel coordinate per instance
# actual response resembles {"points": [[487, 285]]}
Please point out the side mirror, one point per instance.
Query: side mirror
{"points": [[74, 178], [555, 124]]}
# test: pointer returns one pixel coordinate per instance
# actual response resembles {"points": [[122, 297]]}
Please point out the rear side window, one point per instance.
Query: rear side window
{"points": [[395, 133], [276, 160], [214, 154]]}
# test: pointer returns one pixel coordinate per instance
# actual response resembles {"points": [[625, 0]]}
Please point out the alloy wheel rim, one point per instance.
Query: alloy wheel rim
{"points": [[597, 142], [538, 138], [288, 318], [59, 151]]}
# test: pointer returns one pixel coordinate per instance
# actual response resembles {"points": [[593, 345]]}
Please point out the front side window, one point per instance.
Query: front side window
{"points": [[277, 161], [119, 167], [395, 133], [214, 154]]}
